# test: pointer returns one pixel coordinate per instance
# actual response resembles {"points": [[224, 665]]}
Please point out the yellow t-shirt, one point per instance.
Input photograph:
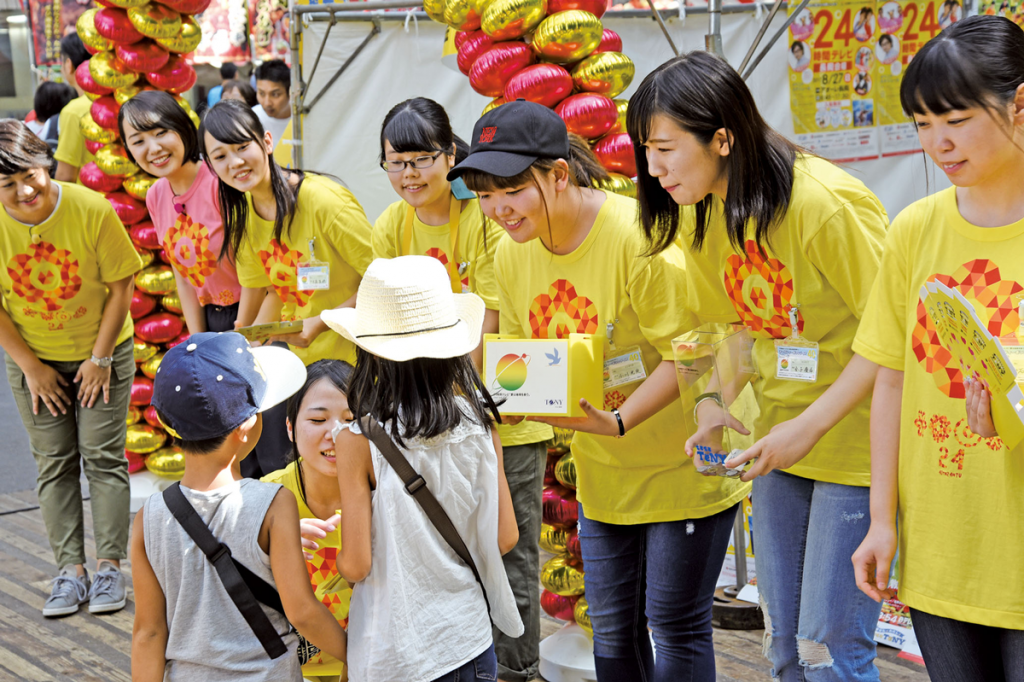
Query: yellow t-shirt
{"points": [[71, 143], [283, 148], [55, 290], [961, 510], [645, 477], [322, 568], [330, 214], [435, 241], [823, 256]]}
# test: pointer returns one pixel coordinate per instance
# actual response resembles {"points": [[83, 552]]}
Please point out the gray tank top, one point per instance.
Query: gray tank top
{"points": [[208, 639]]}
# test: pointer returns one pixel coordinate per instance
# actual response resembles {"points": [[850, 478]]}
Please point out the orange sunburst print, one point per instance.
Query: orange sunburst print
{"points": [[45, 275], [281, 265], [188, 243]]}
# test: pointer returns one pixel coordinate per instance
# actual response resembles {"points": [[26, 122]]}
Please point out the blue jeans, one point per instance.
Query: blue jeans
{"points": [[955, 651], [657, 574], [818, 626], [483, 668]]}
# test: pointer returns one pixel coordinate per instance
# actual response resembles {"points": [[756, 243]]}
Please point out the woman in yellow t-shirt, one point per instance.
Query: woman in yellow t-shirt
{"points": [[787, 244], [66, 268], [954, 480], [443, 220], [653, 531], [312, 476], [301, 242]]}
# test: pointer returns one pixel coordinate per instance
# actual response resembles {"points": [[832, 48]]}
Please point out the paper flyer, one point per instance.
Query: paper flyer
{"points": [[262, 332], [832, 44]]}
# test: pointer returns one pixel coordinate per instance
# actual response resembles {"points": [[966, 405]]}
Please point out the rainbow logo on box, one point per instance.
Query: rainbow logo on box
{"points": [[510, 372]]}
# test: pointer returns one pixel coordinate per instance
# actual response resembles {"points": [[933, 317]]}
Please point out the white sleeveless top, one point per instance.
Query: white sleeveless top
{"points": [[420, 613]]}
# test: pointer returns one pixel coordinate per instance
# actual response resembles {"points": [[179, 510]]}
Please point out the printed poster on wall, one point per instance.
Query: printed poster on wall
{"points": [[832, 93], [225, 26], [904, 28], [1011, 9], [270, 30], [51, 20]]}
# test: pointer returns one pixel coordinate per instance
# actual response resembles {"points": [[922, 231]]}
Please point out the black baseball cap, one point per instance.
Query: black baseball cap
{"points": [[507, 140], [211, 384]]}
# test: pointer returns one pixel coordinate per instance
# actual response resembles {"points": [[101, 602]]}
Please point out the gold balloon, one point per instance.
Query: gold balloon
{"points": [[620, 124], [565, 471], [127, 4], [493, 104], [558, 576], [125, 93], [508, 19], [153, 20], [155, 280], [568, 36], [607, 73], [92, 96], [194, 117], [460, 15], [107, 70], [92, 131], [182, 102], [143, 351], [172, 302], [186, 40], [149, 367], [553, 539], [581, 614], [137, 185], [168, 462], [113, 160], [134, 415], [143, 439], [435, 10], [146, 256], [619, 184], [563, 438], [86, 29]]}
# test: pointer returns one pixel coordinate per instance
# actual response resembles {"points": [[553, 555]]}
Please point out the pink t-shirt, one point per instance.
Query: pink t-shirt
{"points": [[190, 230]]}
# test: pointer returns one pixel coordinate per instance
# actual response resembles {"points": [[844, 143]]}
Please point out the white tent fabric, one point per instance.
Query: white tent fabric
{"points": [[342, 131]]}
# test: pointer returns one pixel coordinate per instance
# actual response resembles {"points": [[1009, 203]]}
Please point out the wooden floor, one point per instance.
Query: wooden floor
{"points": [[87, 648]]}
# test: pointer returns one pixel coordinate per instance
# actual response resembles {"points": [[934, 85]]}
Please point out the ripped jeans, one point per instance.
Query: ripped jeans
{"points": [[818, 626]]}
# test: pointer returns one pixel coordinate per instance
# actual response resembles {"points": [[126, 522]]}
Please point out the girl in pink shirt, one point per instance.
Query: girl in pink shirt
{"points": [[183, 205]]}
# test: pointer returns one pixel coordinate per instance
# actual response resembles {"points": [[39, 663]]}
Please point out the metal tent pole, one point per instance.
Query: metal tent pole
{"points": [[298, 87], [713, 39]]}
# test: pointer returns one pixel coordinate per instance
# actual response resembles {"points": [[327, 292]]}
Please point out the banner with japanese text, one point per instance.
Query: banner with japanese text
{"points": [[51, 20], [225, 25]]}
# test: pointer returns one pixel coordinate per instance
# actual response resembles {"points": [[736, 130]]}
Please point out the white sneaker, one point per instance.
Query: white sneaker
{"points": [[108, 591], [69, 591]]}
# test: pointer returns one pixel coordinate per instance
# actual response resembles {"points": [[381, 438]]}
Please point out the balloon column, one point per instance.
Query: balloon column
{"points": [[555, 53], [138, 45]]}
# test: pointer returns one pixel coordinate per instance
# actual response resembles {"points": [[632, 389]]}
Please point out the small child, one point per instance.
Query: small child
{"points": [[417, 613], [211, 394]]}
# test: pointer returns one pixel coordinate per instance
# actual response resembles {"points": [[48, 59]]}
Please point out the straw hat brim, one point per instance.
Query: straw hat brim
{"points": [[451, 342]]}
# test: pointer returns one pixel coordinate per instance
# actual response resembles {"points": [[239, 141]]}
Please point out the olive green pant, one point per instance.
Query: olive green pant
{"points": [[90, 436]]}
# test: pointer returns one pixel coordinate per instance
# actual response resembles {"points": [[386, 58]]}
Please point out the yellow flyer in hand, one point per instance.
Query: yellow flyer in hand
{"points": [[262, 332]]}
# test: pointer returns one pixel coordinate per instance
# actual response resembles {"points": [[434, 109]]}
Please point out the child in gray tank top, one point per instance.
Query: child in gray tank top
{"points": [[210, 392]]}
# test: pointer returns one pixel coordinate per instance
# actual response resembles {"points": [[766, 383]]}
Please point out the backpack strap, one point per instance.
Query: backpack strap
{"points": [[244, 587], [417, 487]]}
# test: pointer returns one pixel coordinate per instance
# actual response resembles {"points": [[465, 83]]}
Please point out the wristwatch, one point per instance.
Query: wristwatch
{"points": [[102, 363]]}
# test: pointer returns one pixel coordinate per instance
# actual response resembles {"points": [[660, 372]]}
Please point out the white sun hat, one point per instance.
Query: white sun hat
{"points": [[405, 309]]}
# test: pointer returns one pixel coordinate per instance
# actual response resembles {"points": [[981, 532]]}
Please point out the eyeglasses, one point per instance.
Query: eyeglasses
{"points": [[419, 163]]}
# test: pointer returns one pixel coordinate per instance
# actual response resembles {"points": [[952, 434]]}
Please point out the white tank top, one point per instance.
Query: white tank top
{"points": [[420, 612]]}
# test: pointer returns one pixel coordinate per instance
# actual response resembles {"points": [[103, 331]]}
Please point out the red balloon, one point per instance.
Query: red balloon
{"points": [[474, 45], [461, 37], [144, 235], [136, 461], [163, 257], [573, 545], [175, 77], [149, 414], [595, 7], [610, 42], [546, 84], [615, 152], [104, 112], [92, 177], [85, 81], [129, 209], [144, 55], [113, 23], [94, 147], [186, 6], [181, 339], [588, 114], [549, 469], [560, 508], [492, 70], [142, 391], [142, 304], [557, 606], [159, 328]]}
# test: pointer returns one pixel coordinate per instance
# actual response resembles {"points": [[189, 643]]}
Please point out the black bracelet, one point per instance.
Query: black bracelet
{"points": [[618, 418]]}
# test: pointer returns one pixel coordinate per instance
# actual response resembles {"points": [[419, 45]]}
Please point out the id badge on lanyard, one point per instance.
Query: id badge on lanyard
{"points": [[313, 275], [455, 269], [623, 365], [796, 358]]}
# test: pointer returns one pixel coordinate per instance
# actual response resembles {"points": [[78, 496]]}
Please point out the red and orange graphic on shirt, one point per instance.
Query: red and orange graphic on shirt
{"points": [[45, 275], [188, 244], [281, 265], [561, 312], [761, 290], [442, 257]]}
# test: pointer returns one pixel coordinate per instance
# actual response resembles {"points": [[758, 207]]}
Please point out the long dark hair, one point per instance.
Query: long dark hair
{"points": [[423, 391], [976, 62], [419, 125], [338, 373], [231, 122], [703, 95], [152, 110]]}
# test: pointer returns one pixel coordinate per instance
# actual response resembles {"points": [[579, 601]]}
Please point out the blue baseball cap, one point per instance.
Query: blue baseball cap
{"points": [[211, 384]]}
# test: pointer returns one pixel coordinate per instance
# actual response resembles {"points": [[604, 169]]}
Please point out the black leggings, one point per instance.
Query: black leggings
{"points": [[955, 651], [220, 318]]}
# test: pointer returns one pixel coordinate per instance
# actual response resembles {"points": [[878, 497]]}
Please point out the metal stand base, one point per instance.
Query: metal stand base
{"points": [[729, 613]]}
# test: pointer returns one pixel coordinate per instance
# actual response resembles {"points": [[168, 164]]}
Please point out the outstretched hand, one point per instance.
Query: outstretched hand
{"points": [[712, 420], [597, 422], [786, 444], [979, 408]]}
